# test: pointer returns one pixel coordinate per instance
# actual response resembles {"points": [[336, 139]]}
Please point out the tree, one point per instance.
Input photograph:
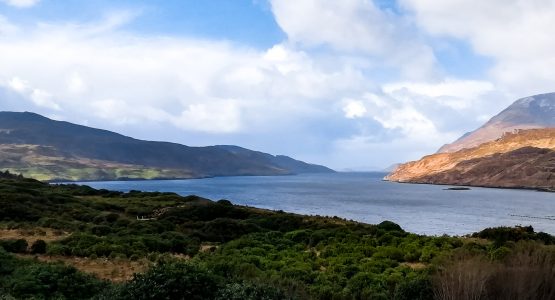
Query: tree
{"points": [[173, 281], [38, 247]]}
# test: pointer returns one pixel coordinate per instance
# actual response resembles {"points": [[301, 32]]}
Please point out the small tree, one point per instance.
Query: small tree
{"points": [[168, 281], [38, 247], [15, 246]]}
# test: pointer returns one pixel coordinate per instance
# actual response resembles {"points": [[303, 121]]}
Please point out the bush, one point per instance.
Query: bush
{"points": [[38, 247], [249, 291], [500, 253], [415, 289], [168, 281], [390, 226], [101, 230], [52, 281], [14, 246]]}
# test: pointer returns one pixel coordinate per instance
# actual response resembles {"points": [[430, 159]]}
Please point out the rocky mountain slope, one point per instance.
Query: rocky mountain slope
{"points": [[515, 149], [524, 159], [42, 148], [521, 168], [441, 162], [526, 113]]}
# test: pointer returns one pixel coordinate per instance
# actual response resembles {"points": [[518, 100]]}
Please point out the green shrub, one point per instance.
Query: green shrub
{"points": [[249, 291], [414, 289], [389, 226], [38, 247], [500, 253], [168, 281], [14, 246], [52, 281]]}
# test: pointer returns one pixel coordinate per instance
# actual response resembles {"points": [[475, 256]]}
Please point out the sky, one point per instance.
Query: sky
{"points": [[351, 84]]}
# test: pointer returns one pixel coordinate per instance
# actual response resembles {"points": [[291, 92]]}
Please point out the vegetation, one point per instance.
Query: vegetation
{"points": [[200, 249], [50, 150]]}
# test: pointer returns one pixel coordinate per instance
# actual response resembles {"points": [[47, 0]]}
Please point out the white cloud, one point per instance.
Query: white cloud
{"points": [[418, 118], [354, 109], [457, 94], [187, 83], [448, 87], [39, 97], [401, 114], [18, 84], [517, 34], [359, 27], [21, 3], [76, 83], [220, 117], [122, 112], [44, 99]]}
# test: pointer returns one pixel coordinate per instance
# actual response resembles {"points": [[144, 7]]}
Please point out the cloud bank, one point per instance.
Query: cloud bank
{"points": [[353, 85]]}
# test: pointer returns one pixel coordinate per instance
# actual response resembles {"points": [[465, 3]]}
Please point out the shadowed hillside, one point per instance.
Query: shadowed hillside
{"points": [[42, 148]]}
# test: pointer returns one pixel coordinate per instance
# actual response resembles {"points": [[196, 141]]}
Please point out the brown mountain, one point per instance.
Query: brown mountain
{"points": [[523, 159], [527, 167], [526, 113]]}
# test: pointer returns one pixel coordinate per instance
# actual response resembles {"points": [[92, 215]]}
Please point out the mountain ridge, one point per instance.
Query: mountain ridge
{"points": [[166, 159], [501, 156], [532, 112], [514, 149]]}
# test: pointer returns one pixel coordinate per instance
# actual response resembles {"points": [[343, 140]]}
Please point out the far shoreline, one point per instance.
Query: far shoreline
{"points": [[537, 189], [62, 181]]}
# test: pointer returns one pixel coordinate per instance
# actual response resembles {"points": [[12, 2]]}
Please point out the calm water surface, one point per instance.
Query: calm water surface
{"points": [[424, 209]]}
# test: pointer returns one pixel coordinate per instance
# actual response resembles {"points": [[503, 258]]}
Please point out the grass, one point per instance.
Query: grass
{"points": [[47, 173], [33, 234], [114, 270]]}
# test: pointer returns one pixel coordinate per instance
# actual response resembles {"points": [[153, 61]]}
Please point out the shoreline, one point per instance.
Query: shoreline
{"points": [[537, 189], [60, 181]]}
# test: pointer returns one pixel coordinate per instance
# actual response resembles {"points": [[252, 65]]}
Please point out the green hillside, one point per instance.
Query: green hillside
{"points": [[74, 242], [45, 149]]}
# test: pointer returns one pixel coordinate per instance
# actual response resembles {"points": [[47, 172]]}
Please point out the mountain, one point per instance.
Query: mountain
{"points": [[526, 167], [526, 113], [514, 149], [54, 150], [523, 159], [286, 162]]}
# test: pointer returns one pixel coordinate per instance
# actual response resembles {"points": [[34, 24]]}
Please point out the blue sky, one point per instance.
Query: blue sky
{"points": [[242, 21], [354, 84]]}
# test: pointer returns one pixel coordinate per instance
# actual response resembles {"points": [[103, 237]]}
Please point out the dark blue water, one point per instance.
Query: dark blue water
{"points": [[425, 209]]}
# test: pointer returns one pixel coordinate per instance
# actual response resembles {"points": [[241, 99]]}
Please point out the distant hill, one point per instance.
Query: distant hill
{"points": [[527, 113], [54, 150], [286, 162]]}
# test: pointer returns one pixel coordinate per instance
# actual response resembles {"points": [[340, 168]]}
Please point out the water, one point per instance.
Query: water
{"points": [[424, 209]]}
